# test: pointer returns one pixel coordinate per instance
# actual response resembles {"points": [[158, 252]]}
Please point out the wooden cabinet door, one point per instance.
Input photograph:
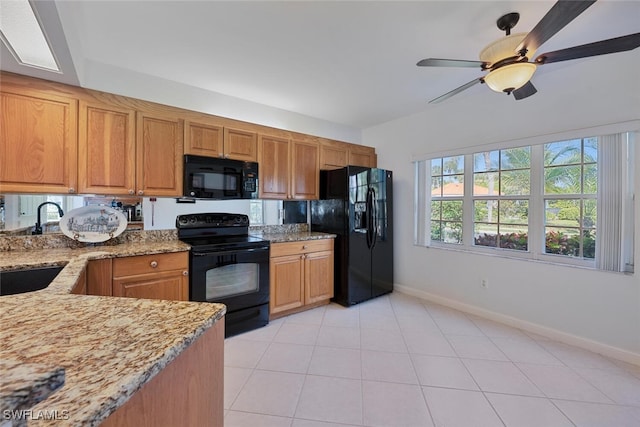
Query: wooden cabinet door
{"points": [[159, 146], [106, 150], [362, 156], [318, 276], [204, 139], [287, 283], [240, 145], [333, 155], [273, 169], [38, 141], [305, 170], [100, 277], [168, 285]]}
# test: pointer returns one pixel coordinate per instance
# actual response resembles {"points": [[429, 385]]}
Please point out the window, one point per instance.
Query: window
{"points": [[501, 186], [568, 201], [570, 197], [447, 189]]}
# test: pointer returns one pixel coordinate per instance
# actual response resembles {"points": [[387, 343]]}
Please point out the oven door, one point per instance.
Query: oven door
{"points": [[238, 278]]}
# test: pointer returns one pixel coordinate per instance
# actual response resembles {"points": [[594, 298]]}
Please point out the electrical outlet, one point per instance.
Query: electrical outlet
{"points": [[484, 283]]}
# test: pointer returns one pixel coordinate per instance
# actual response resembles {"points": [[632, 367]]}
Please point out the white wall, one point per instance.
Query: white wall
{"points": [[592, 308]]}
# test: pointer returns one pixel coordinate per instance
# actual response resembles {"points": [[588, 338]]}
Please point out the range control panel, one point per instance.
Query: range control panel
{"points": [[210, 220]]}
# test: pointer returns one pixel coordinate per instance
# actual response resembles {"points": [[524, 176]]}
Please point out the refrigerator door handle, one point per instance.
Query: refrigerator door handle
{"points": [[374, 218], [369, 217]]}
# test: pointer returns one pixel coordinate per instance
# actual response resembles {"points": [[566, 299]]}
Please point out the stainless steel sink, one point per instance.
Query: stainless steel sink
{"points": [[21, 281]]}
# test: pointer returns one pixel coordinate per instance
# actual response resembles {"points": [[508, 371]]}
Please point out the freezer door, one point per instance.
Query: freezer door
{"points": [[359, 266], [382, 247]]}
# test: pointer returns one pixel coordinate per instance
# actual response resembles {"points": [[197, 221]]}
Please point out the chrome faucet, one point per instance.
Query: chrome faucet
{"points": [[38, 228]]}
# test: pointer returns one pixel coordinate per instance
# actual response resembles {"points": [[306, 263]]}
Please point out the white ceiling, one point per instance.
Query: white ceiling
{"points": [[351, 63]]}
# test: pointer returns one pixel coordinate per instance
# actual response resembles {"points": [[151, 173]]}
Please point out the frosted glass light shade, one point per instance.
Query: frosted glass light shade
{"points": [[504, 47], [510, 77]]}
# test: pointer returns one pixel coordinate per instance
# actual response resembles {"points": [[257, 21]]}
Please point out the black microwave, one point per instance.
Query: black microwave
{"points": [[216, 178]]}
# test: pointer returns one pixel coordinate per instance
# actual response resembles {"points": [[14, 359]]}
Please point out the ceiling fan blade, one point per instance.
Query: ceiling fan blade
{"points": [[563, 12], [603, 47], [525, 91], [435, 62], [455, 91]]}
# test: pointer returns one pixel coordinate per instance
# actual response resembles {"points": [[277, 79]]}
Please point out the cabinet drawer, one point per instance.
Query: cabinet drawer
{"points": [[143, 264], [301, 247]]}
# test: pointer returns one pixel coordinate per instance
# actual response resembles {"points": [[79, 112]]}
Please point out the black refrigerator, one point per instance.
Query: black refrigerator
{"points": [[356, 205]]}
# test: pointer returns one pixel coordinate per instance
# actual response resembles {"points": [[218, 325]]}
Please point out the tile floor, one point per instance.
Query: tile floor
{"points": [[399, 361]]}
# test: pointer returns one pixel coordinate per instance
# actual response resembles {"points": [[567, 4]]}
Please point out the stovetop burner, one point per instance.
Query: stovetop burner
{"points": [[216, 231]]}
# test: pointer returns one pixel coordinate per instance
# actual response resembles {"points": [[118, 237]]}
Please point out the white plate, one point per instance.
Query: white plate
{"points": [[93, 224]]}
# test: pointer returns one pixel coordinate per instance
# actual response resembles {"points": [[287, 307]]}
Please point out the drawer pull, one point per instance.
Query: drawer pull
{"points": [[304, 246], [153, 264], [185, 273]]}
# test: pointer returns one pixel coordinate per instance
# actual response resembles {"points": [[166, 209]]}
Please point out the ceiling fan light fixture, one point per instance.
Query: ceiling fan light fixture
{"points": [[510, 77], [504, 47]]}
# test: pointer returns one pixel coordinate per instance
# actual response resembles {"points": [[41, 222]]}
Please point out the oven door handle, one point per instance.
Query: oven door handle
{"points": [[233, 251]]}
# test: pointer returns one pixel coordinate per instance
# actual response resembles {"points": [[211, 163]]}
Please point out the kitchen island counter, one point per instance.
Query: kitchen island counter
{"points": [[109, 347], [94, 355]]}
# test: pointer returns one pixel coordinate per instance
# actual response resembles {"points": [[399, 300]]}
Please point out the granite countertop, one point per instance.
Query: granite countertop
{"points": [[75, 259], [109, 347], [25, 384], [82, 356], [294, 236]]}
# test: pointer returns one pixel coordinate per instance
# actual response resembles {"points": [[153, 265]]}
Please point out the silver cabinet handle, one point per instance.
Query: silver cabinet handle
{"points": [[153, 264], [185, 273]]}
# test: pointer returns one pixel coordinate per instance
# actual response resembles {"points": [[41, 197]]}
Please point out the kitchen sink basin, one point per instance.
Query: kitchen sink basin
{"points": [[20, 281]]}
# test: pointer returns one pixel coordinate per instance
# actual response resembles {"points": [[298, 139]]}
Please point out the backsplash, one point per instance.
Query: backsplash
{"points": [[50, 241]]}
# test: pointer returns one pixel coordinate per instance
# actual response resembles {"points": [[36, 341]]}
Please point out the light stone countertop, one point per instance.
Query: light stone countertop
{"points": [[299, 236], [89, 353], [109, 347]]}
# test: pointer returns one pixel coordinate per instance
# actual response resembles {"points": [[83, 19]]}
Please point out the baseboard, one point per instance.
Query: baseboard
{"points": [[554, 334]]}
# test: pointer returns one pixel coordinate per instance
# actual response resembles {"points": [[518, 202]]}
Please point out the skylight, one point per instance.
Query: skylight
{"points": [[20, 30]]}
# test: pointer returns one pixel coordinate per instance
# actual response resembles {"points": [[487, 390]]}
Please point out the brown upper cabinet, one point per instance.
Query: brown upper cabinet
{"points": [[360, 155], [333, 154], [337, 154], [204, 138], [123, 151], [288, 169], [106, 149], [273, 168], [56, 139], [159, 144], [38, 141], [305, 170]]}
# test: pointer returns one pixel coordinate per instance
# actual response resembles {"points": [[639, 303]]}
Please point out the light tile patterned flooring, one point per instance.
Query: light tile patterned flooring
{"points": [[400, 361]]}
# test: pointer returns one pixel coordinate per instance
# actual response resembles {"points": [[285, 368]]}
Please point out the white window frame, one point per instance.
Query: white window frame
{"points": [[536, 235]]}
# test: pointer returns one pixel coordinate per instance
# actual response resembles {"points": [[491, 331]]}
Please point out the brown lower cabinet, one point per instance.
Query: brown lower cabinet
{"points": [[189, 391], [158, 276], [301, 275]]}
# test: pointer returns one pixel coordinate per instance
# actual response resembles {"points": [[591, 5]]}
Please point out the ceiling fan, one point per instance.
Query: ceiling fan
{"points": [[507, 60]]}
